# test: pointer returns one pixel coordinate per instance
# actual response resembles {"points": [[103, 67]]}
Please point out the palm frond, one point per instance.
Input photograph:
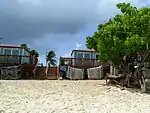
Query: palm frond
{"points": [[51, 57]]}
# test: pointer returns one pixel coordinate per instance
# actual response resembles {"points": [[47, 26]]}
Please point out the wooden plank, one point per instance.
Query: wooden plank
{"points": [[115, 77]]}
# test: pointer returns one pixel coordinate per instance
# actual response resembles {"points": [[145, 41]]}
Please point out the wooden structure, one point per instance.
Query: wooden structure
{"points": [[128, 79], [82, 62], [40, 74], [52, 73], [82, 59], [27, 71]]}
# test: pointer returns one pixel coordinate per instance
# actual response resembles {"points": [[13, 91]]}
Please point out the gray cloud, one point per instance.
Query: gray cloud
{"points": [[23, 19], [35, 18]]}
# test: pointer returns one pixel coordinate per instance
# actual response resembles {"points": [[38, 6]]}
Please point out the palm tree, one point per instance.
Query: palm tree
{"points": [[50, 60], [25, 46], [34, 52]]}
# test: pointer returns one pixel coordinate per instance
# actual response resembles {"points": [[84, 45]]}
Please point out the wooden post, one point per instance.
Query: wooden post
{"points": [[46, 70], [111, 70]]}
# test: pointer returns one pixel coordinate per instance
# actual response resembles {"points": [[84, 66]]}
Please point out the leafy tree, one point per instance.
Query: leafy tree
{"points": [[61, 61], [124, 35], [50, 58]]}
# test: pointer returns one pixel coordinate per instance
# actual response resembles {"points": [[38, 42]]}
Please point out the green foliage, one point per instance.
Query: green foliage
{"points": [[61, 61], [25, 47], [125, 34], [51, 58], [32, 52]]}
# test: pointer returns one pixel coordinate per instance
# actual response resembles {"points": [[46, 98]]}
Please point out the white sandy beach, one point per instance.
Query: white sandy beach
{"points": [[69, 97]]}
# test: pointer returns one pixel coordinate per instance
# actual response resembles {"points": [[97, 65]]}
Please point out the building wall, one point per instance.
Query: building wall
{"points": [[13, 55]]}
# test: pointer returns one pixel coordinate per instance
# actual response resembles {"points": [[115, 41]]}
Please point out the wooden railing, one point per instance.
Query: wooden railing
{"points": [[11, 59], [82, 62]]}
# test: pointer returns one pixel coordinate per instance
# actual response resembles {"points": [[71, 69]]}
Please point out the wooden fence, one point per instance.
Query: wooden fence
{"points": [[39, 73], [51, 74]]}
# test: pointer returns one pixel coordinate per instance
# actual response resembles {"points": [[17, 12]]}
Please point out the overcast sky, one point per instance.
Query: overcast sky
{"points": [[59, 25]]}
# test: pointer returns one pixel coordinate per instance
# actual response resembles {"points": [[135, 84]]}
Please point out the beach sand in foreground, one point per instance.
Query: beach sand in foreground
{"points": [[54, 96]]}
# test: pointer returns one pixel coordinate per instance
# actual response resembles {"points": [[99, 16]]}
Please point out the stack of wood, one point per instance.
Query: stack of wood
{"points": [[127, 78]]}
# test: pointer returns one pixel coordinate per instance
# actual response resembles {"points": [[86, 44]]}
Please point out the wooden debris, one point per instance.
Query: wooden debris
{"points": [[136, 79]]}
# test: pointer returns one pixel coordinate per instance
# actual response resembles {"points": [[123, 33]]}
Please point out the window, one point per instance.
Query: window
{"points": [[25, 60], [15, 52], [87, 55], [1, 51], [7, 52], [80, 55], [26, 53]]}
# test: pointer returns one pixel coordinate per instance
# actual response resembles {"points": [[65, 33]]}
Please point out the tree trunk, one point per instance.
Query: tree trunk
{"points": [[46, 70], [143, 85]]}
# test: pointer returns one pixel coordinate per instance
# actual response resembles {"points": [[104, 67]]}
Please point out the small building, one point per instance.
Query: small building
{"points": [[13, 54], [81, 59]]}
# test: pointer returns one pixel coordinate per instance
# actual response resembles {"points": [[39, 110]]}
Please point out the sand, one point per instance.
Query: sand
{"points": [[69, 97]]}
